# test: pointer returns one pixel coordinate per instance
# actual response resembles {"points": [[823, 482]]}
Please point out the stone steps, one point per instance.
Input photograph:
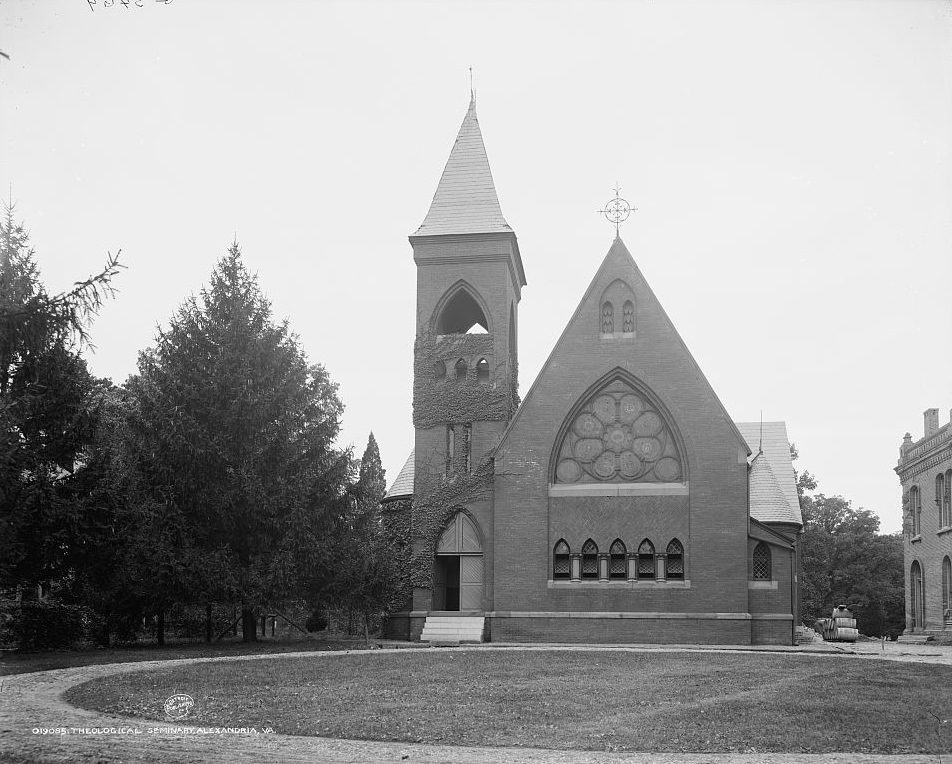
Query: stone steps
{"points": [[453, 629]]}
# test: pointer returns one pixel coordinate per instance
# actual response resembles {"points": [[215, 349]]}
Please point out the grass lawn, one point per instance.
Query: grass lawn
{"points": [[605, 700], [21, 663]]}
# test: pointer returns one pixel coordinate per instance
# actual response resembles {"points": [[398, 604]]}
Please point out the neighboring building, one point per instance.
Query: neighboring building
{"points": [[618, 502], [925, 470]]}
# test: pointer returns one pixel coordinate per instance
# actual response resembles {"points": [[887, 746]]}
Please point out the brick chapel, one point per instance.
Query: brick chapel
{"points": [[618, 502]]}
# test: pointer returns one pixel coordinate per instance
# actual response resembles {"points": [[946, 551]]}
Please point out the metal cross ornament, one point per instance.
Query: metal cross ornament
{"points": [[617, 210]]}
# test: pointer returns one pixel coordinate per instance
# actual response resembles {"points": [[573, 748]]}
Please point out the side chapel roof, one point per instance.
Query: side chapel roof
{"points": [[773, 490], [465, 200], [402, 487]]}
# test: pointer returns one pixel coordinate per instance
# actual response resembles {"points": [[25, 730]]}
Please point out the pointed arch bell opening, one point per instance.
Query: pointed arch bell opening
{"points": [[461, 312]]}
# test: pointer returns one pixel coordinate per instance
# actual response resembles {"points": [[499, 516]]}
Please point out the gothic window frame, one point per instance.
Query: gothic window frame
{"points": [[608, 318], [561, 561], [460, 370], [589, 559], [647, 568], [674, 560], [468, 447], [761, 562], [450, 448], [459, 447], [628, 318], [618, 560]]}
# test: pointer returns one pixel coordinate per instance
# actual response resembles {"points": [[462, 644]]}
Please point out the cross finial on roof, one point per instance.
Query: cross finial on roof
{"points": [[472, 88], [617, 210]]}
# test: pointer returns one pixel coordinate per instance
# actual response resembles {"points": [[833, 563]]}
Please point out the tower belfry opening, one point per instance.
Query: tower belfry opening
{"points": [[462, 315]]}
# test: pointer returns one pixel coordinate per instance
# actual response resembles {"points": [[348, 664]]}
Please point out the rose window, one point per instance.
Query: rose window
{"points": [[618, 436]]}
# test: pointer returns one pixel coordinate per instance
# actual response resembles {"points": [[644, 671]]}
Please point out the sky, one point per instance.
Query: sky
{"points": [[789, 163]]}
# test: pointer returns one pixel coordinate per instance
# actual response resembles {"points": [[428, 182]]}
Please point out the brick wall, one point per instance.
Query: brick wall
{"points": [[920, 468], [711, 522], [623, 630]]}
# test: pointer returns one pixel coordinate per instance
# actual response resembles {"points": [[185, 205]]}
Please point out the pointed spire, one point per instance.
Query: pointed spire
{"points": [[465, 200]]}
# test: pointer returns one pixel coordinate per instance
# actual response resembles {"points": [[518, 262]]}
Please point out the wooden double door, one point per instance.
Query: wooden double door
{"points": [[458, 567]]}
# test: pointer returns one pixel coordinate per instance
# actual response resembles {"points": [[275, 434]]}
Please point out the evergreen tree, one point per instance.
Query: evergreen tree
{"points": [[364, 554], [47, 412], [237, 434], [372, 480]]}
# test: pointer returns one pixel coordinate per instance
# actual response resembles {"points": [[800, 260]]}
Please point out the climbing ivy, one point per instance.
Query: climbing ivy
{"points": [[396, 517], [448, 400], [434, 507]]}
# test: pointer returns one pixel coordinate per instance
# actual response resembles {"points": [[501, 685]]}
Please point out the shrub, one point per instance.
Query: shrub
{"points": [[48, 625]]}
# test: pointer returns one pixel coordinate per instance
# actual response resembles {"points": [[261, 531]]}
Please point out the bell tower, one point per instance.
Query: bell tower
{"points": [[469, 283]]}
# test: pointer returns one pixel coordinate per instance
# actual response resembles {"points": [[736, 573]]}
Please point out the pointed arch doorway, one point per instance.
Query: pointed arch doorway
{"points": [[458, 567]]}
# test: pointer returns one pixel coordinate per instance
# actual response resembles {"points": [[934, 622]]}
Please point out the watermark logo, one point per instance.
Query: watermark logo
{"points": [[178, 706]]}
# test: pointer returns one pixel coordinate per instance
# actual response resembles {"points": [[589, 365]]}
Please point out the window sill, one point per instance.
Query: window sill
{"points": [[915, 539], [617, 335], [761, 584], [944, 530], [634, 584]]}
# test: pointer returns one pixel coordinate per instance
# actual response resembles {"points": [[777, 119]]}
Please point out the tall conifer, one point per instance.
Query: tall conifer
{"points": [[240, 432]]}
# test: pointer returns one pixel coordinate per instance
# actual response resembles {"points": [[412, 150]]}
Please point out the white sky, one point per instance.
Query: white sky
{"points": [[790, 162]]}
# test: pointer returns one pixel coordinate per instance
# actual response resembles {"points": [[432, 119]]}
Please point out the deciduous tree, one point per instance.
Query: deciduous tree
{"points": [[844, 560]]}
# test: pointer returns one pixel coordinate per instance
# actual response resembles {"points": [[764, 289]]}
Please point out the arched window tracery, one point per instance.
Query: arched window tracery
{"points": [[674, 560], [618, 560], [589, 559], [618, 435], [561, 560], [646, 560]]}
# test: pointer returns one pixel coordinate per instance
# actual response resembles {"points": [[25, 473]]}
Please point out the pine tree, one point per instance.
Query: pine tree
{"points": [[47, 412], [237, 430], [372, 481], [365, 560]]}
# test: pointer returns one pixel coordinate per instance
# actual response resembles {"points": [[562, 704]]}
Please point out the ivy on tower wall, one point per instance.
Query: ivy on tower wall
{"points": [[440, 498], [450, 400]]}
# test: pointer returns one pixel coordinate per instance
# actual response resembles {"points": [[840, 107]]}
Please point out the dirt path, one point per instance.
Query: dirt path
{"points": [[29, 702]]}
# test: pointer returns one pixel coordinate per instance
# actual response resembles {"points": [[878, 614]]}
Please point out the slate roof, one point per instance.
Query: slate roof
{"points": [[465, 200], [773, 490], [403, 486]]}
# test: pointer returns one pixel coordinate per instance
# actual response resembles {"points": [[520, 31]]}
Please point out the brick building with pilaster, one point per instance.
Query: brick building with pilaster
{"points": [[925, 470]]}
